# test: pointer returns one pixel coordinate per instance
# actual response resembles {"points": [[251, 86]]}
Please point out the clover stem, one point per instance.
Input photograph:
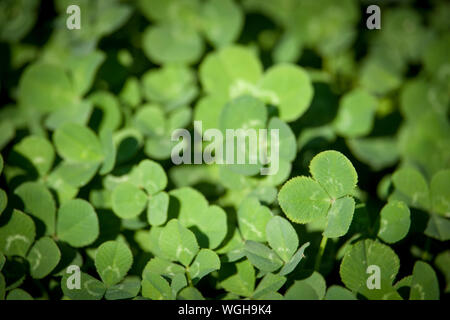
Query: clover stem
{"points": [[427, 249], [189, 278], [323, 244]]}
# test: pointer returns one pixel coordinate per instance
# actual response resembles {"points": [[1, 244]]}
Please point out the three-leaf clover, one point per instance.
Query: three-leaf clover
{"points": [[328, 193]]}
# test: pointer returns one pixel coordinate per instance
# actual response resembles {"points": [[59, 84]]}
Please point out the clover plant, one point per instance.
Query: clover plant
{"points": [[354, 202]]}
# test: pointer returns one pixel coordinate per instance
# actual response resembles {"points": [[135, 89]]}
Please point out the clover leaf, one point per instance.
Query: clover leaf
{"points": [[77, 223], [304, 199], [17, 234], [113, 259], [424, 283], [44, 256], [178, 242], [77, 143], [39, 203], [204, 263], [395, 221], [355, 264]]}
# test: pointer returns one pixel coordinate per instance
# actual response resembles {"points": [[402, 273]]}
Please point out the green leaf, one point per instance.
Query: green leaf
{"points": [[303, 200], [262, 257], [440, 193], [90, 288], [334, 172], [158, 205], [43, 257], [178, 242], [377, 78], [149, 175], [77, 143], [282, 237], [111, 18], [270, 283], [222, 21], [415, 95], [18, 294], [288, 48], [172, 43], [7, 133], [178, 283], [17, 234], [150, 120], [243, 281], [287, 141], [113, 259], [159, 148], [179, 118], [441, 262], [1, 163], [227, 69], [208, 110], [412, 187], [295, 260], [109, 150], [74, 174], [195, 212], [377, 152], [45, 87], [78, 112], [205, 262], [356, 114], [128, 201], [254, 117], [438, 227], [340, 217], [252, 219], [232, 117], [38, 202], [163, 267], [339, 293], [290, 89], [131, 92], [77, 223], [301, 290], [3, 200], [38, 153], [394, 222], [315, 281], [190, 293], [2, 261], [180, 11], [355, 264], [110, 108], [155, 287], [83, 69], [2, 287], [425, 144], [424, 284], [128, 288], [64, 190], [171, 86]]}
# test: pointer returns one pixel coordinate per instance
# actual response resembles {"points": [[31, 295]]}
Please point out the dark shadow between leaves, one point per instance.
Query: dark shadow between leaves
{"points": [[174, 208], [202, 238]]}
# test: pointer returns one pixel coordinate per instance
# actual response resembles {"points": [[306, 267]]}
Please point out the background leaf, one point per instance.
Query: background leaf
{"points": [[113, 259], [77, 223]]}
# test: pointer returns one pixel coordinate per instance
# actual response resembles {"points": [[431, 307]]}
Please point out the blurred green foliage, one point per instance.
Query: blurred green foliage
{"points": [[85, 140]]}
